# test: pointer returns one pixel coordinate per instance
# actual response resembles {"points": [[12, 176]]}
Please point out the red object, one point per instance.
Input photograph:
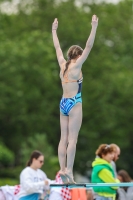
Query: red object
{"points": [[65, 192], [78, 194]]}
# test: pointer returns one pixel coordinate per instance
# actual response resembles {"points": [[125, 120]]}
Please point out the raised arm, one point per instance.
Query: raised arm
{"points": [[59, 53], [90, 41]]}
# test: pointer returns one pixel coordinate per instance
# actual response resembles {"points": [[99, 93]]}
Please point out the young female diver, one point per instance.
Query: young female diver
{"points": [[71, 102]]}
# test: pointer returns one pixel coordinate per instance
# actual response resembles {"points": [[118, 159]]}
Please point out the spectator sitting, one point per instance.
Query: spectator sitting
{"points": [[33, 180], [125, 193]]}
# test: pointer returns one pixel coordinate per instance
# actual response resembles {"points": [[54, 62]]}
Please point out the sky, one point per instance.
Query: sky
{"points": [[98, 1], [11, 7], [112, 1]]}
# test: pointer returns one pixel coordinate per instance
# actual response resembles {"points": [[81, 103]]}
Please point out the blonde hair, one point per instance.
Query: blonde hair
{"points": [[72, 53], [104, 149]]}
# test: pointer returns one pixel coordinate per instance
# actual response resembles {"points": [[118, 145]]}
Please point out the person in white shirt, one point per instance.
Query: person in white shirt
{"points": [[33, 180]]}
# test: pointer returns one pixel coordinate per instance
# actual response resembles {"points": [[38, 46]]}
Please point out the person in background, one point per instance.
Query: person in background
{"points": [[117, 152], [103, 172], [123, 176], [113, 162], [124, 193], [33, 180], [71, 101], [90, 194]]}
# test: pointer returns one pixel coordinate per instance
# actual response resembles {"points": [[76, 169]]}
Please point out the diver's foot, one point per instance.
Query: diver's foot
{"points": [[64, 178], [70, 178]]}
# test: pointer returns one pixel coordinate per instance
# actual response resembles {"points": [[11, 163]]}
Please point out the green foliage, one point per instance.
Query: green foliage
{"points": [[25, 78], [11, 172], [7, 181], [6, 156], [39, 142]]}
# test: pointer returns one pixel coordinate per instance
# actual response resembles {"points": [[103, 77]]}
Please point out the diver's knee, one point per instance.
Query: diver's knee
{"points": [[72, 141], [64, 141]]}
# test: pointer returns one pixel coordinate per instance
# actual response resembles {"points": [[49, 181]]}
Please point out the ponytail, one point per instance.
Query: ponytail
{"points": [[29, 163], [72, 53], [67, 65]]}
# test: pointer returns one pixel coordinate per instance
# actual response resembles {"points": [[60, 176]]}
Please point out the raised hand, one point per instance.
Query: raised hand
{"points": [[94, 21], [55, 24]]}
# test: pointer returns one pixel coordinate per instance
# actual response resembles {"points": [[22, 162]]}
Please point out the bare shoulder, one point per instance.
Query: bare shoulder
{"points": [[78, 64]]}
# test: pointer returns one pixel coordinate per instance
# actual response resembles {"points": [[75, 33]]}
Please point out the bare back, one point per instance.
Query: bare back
{"points": [[69, 80]]}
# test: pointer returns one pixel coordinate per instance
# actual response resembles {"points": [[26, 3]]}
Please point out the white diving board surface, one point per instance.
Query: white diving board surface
{"points": [[90, 185]]}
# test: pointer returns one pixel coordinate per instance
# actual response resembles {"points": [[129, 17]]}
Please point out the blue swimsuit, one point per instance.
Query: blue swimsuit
{"points": [[66, 104]]}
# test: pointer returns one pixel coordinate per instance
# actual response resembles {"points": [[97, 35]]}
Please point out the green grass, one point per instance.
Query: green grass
{"points": [[8, 181]]}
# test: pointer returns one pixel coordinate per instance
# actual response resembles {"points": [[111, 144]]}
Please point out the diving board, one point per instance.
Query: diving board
{"points": [[91, 185]]}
